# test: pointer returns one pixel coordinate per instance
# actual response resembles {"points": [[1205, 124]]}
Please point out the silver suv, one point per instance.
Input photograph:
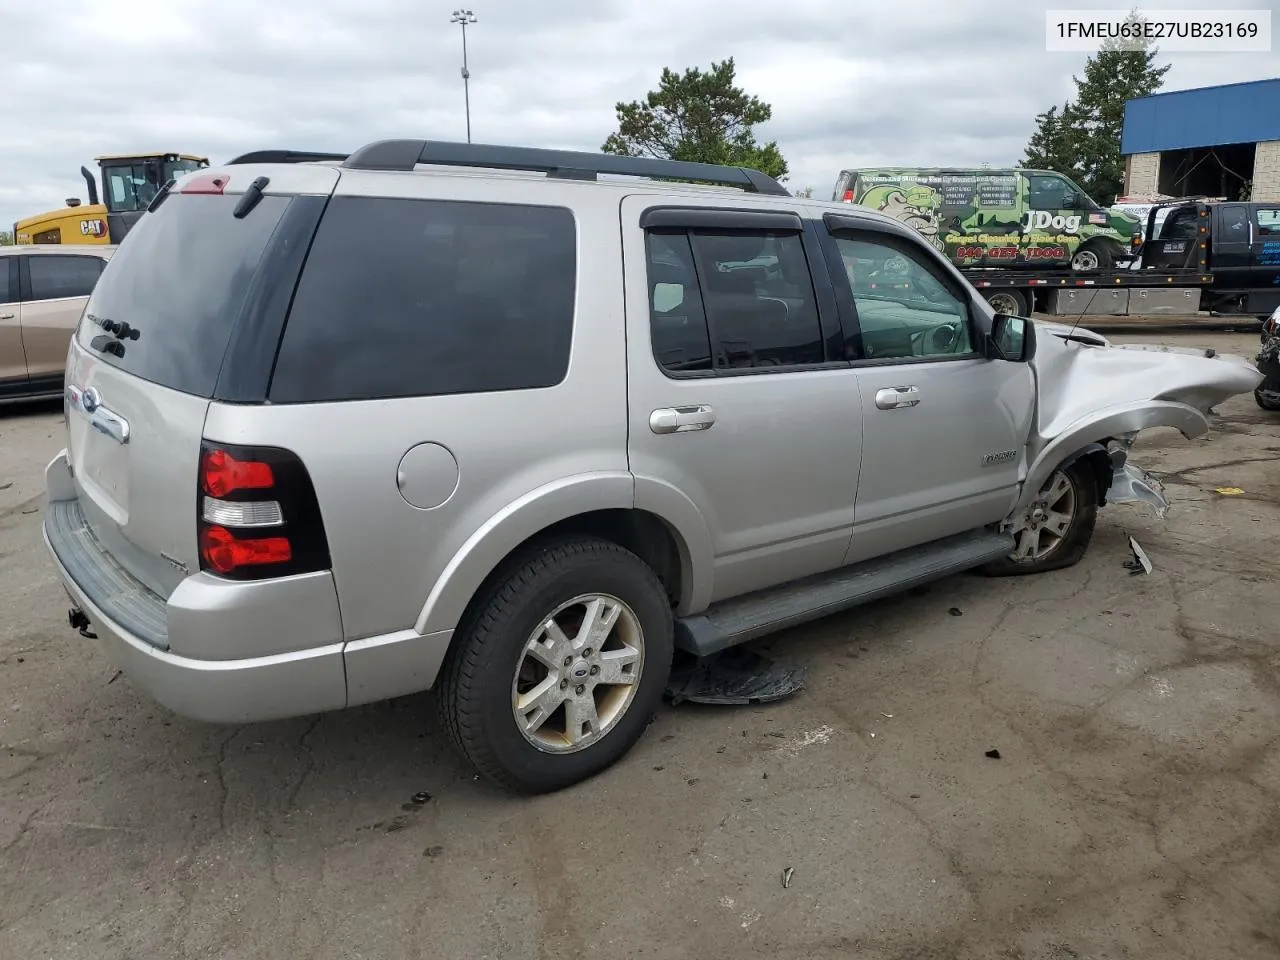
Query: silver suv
{"points": [[516, 424]]}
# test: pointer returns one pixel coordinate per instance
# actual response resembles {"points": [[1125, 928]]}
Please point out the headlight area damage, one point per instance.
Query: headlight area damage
{"points": [[1094, 398]]}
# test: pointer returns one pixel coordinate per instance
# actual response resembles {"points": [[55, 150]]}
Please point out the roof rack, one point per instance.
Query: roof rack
{"points": [[285, 156], [569, 164]]}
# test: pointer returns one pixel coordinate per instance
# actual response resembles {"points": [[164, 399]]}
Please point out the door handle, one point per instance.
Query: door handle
{"points": [[7, 316], [682, 419], [891, 398]]}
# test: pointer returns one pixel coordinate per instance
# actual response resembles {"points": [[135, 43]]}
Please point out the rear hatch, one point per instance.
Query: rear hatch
{"points": [[149, 354]]}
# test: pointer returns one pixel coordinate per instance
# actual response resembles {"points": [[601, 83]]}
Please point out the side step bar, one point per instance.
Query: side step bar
{"points": [[740, 619]]}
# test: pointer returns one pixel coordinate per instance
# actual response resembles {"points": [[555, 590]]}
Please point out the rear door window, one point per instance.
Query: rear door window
{"points": [[8, 279], [406, 298], [57, 277], [180, 282], [737, 300]]}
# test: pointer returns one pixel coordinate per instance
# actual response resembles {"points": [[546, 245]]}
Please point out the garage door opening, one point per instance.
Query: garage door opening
{"points": [[1208, 171]]}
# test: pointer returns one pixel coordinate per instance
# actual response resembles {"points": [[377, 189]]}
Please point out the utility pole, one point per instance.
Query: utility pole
{"points": [[462, 18]]}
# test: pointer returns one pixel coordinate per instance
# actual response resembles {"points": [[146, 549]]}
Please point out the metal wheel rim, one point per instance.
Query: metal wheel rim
{"points": [[578, 673], [1046, 521], [1003, 303], [1085, 260]]}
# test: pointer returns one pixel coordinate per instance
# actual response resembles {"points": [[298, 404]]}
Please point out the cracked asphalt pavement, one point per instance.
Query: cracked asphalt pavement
{"points": [[1131, 812]]}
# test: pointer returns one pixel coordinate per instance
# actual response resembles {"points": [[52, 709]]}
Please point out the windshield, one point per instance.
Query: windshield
{"points": [[133, 185], [179, 168]]}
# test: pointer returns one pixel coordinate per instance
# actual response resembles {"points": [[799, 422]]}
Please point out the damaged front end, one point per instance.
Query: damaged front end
{"points": [[1093, 399], [1130, 483]]}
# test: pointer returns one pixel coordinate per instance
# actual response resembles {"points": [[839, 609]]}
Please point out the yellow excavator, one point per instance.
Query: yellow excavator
{"points": [[129, 182]]}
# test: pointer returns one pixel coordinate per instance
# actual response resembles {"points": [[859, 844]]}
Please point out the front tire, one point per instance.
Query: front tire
{"points": [[1055, 530], [560, 666], [1093, 258]]}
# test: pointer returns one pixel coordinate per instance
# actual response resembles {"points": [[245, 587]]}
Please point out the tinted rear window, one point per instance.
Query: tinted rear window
{"points": [[428, 297], [180, 279]]}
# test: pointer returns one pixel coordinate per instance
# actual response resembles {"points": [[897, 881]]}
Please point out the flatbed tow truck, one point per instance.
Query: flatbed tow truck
{"points": [[1220, 258]]}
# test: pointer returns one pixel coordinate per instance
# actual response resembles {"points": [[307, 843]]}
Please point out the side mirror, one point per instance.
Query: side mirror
{"points": [[1011, 338]]}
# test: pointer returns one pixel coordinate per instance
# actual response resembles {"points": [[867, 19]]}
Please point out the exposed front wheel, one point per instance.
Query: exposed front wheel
{"points": [[1054, 530], [1267, 400], [560, 666]]}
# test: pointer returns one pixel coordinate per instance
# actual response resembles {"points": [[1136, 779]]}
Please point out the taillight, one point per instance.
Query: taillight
{"points": [[221, 473], [258, 514], [848, 196]]}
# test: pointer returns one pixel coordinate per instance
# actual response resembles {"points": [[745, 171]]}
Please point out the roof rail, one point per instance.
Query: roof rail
{"points": [[570, 164], [284, 156]]}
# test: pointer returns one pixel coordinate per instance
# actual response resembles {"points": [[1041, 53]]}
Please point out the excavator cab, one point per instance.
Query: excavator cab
{"points": [[129, 184]]}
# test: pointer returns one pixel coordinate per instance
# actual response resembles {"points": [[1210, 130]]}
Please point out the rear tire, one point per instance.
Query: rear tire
{"points": [[1012, 302], [1056, 529], [514, 690]]}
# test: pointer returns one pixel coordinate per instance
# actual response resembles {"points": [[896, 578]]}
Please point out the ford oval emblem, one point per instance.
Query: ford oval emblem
{"points": [[90, 400]]}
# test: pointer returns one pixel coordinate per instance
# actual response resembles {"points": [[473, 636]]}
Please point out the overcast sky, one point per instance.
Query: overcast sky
{"points": [[851, 81]]}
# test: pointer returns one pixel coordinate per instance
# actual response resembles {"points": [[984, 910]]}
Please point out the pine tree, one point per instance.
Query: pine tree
{"points": [[1082, 140], [1049, 147], [1114, 75], [700, 116]]}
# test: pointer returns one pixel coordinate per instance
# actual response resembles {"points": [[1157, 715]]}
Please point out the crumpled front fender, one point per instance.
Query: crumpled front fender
{"points": [[1116, 421]]}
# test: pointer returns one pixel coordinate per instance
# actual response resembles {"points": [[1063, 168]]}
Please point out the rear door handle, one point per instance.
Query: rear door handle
{"points": [[682, 419], [7, 316], [891, 398]]}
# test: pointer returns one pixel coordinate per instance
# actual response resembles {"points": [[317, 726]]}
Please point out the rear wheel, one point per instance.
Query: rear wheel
{"points": [[1055, 529], [1012, 302], [560, 667]]}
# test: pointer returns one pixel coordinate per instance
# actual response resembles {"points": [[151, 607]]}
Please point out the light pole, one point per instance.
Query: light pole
{"points": [[462, 18]]}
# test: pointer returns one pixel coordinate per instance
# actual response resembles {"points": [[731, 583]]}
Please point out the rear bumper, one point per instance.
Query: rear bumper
{"points": [[218, 691], [152, 640], [229, 652]]}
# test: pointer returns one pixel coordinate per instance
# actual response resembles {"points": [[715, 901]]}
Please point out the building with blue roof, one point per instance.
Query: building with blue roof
{"points": [[1211, 141]]}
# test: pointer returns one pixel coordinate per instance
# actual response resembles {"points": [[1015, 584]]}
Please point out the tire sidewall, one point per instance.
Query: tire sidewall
{"points": [[615, 572], [1071, 547]]}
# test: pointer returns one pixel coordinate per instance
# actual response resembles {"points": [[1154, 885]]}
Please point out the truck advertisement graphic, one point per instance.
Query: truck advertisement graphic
{"points": [[996, 218]]}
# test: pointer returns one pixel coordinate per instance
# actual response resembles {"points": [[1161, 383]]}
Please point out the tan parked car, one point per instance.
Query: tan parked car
{"points": [[43, 290]]}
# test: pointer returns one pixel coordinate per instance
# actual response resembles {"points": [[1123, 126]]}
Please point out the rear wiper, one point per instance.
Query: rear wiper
{"points": [[252, 194]]}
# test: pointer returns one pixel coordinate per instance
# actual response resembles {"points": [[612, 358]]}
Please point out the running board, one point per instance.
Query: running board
{"points": [[735, 621]]}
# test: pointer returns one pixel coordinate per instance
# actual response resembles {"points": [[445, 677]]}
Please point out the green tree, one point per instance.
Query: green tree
{"points": [[6, 238], [805, 194], [1048, 148], [698, 116], [1082, 140]]}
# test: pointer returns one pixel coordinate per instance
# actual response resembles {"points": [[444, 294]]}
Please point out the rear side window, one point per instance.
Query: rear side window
{"points": [[731, 300], [427, 297], [8, 287], [180, 281], [55, 277]]}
